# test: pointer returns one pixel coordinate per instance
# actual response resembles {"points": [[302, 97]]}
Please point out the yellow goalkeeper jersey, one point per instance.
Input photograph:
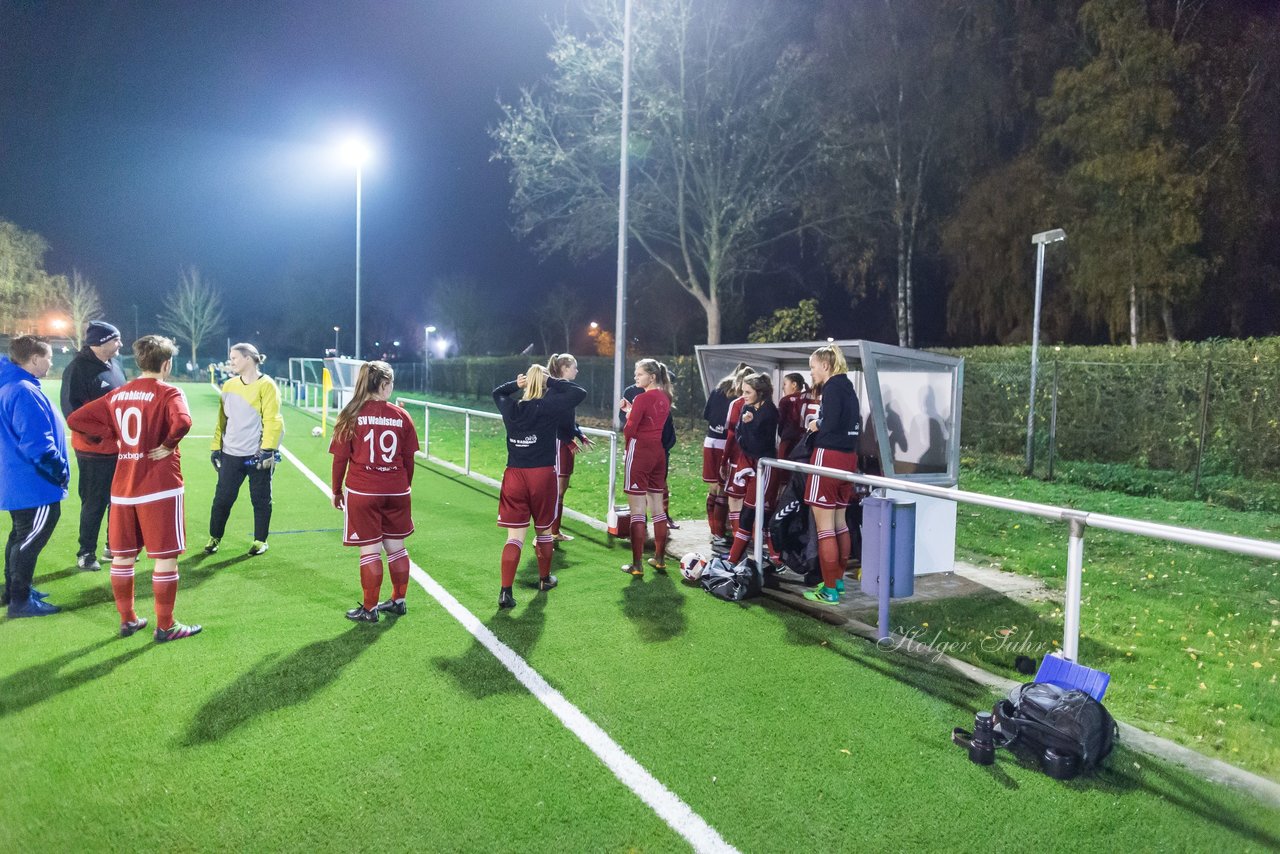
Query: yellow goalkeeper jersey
{"points": [[249, 418]]}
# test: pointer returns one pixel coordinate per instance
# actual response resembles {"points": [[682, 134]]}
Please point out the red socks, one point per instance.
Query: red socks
{"points": [[722, 511], [165, 590], [543, 545], [844, 544], [398, 566], [713, 518], [510, 561], [829, 559], [639, 533], [660, 532], [122, 589], [371, 579]]}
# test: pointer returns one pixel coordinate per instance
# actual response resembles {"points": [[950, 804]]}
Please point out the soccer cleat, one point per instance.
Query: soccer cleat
{"points": [[211, 547], [360, 614], [89, 563], [128, 627], [505, 599], [176, 632], [37, 594], [823, 595], [547, 583], [106, 553], [32, 608], [392, 606], [258, 547], [562, 538], [632, 569], [660, 567]]}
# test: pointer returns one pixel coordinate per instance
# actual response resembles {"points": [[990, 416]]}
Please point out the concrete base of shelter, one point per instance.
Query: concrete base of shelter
{"points": [[969, 580]]}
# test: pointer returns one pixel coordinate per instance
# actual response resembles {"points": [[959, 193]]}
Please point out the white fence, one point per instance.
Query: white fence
{"points": [[1078, 520], [465, 468]]}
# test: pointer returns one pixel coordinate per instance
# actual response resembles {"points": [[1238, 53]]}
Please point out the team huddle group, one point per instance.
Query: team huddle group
{"points": [[821, 424], [125, 436]]}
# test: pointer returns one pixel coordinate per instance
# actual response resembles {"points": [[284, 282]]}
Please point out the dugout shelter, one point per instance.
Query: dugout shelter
{"points": [[911, 403]]}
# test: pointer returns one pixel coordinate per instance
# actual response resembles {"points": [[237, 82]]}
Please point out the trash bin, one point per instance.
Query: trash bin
{"points": [[888, 545]]}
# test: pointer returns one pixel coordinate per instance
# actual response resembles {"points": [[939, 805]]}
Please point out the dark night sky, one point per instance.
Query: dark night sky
{"points": [[139, 137]]}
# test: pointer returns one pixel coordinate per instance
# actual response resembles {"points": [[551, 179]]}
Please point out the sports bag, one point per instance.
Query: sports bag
{"points": [[1059, 724], [731, 582]]}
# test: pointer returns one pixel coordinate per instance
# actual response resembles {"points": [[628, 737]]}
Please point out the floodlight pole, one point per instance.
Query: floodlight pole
{"points": [[1051, 236], [620, 322], [426, 340], [359, 175]]}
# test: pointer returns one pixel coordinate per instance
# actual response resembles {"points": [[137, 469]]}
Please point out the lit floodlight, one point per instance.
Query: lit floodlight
{"points": [[356, 151]]}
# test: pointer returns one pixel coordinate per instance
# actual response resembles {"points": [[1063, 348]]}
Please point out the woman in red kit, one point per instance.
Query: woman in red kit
{"points": [[147, 418], [723, 543], [529, 483], [646, 461], [570, 440], [757, 436], [373, 446]]}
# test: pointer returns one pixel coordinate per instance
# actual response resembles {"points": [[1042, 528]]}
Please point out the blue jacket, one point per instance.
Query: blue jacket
{"points": [[33, 443]]}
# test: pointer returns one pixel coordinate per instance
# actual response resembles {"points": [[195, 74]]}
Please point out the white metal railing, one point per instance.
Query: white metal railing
{"points": [[1077, 519], [465, 468]]}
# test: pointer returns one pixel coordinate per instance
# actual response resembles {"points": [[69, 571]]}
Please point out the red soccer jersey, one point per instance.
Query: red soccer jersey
{"points": [[141, 415], [377, 459], [648, 414], [731, 427]]}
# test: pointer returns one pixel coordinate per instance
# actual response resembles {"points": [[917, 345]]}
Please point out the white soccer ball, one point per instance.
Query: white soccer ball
{"points": [[317, 431], [692, 565]]}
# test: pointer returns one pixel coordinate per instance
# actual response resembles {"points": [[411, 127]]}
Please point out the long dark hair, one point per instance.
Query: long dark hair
{"points": [[371, 377]]}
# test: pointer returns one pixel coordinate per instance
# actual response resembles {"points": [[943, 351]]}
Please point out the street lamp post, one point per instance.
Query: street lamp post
{"points": [[426, 358], [335, 342], [1051, 236]]}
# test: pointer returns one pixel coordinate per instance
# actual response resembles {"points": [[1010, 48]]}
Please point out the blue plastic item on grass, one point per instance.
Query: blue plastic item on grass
{"points": [[1067, 674]]}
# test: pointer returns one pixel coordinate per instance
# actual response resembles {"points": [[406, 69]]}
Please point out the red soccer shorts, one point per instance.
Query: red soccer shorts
{"points": [[830, 492], [369, 519], [712, 457], [564, 458], [528, 494], [646, 469], [159, 525]]}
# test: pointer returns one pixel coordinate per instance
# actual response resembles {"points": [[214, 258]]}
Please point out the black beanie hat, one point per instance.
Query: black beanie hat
{"points": [[99, 332]]}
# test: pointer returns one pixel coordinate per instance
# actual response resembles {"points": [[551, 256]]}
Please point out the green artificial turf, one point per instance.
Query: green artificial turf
{"points": [[283, 726], [1191, 636]]}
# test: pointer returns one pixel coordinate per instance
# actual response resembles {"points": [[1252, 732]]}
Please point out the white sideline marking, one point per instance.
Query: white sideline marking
{"points": [[678, 815]]}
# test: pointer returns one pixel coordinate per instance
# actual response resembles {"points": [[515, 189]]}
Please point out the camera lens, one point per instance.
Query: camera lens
{"points": [[982, 749], [1059, 766]]}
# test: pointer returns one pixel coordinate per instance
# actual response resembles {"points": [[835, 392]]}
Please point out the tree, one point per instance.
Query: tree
{"points": [[25, 288], [81, 300], [723, 137], [1112, 124], [800, 323], [562, 310], [465, 308], [193, 312], [889, 88]]}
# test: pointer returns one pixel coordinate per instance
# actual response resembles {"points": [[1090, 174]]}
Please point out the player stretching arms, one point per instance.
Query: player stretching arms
{"points": [[646, 461], [529, 482], [570, 440], [148, 417], [373, 446]]}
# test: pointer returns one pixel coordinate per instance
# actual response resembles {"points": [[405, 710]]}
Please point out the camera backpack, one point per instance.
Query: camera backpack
{"points": [[1055, 721]]}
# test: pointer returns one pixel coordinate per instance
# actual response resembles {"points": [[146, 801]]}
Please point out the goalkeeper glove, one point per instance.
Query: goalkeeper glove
{"points": [[215, 457]]}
